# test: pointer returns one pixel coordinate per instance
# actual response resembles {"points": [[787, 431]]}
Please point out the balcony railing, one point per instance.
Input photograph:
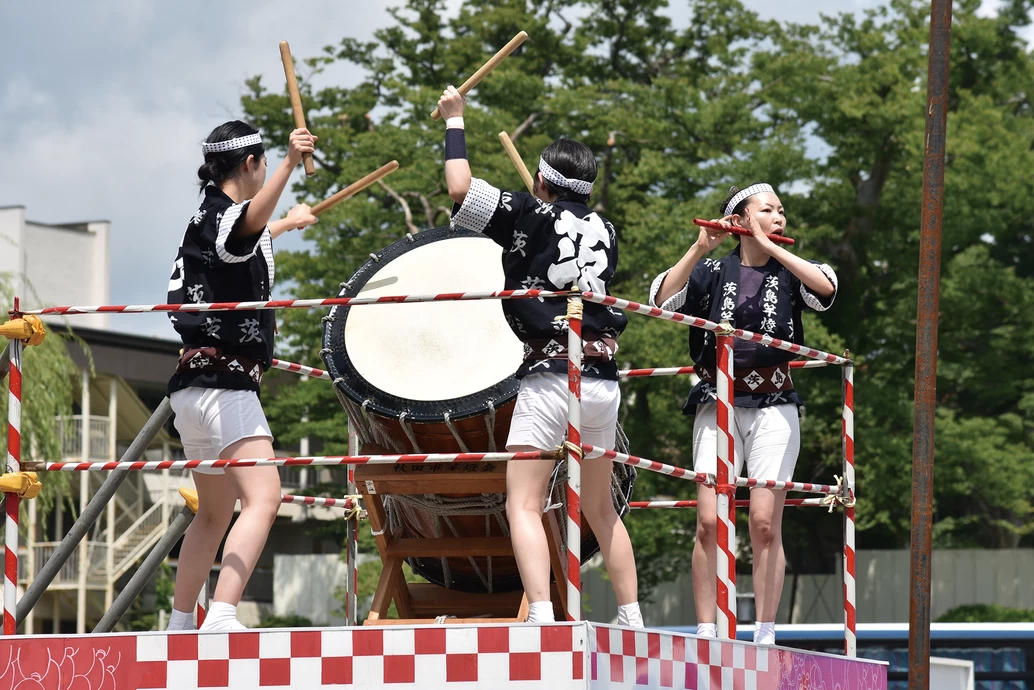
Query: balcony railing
{"points": [[71, 430], [69, 573]]}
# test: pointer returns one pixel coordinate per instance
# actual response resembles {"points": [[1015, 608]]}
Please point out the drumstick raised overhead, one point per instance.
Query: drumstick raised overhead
{"points": [[296, 100], [355, 188], [725, 227], [492, 63], [518, 163]]}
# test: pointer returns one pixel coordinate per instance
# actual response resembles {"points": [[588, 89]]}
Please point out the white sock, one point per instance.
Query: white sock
{"points": [[222, 616], [629, 615], [541, 612], [764, 633], [181, 620], [707, 630]]}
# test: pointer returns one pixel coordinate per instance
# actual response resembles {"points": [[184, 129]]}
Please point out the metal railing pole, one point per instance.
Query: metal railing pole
{"points": [[93, 511], [146, 571]]}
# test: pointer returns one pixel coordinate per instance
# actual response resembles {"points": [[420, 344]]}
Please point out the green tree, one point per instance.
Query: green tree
{"points": [[832, 114]]}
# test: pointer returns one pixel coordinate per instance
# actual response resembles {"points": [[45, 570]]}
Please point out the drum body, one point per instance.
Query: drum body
{"points": [[436, 377]]}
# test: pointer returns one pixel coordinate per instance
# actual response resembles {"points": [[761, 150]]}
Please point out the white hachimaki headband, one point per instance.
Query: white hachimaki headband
{"points": [[552, 176], [746, 194], [231, 144]]}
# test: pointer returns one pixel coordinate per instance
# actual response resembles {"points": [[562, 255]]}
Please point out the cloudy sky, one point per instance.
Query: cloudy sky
{"points": [[103, 105]]}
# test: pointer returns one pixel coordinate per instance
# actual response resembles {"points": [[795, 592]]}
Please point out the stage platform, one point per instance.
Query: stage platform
{"points": [[562, 656]]}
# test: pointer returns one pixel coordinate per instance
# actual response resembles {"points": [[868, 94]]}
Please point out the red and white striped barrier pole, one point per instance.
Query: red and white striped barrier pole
{"points": [[766, 340], [801, 487], [300, 369], [683, 371], [315, 373], [739, 503], [308, 461], [296, 303], [850, 622], [649, 465], [726, 492], [352, 539], [14, 455], [202, 603], [574, 458], [323, 501]]}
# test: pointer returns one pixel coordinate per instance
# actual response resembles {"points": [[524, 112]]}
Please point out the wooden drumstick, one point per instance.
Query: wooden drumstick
{"points": [[493, 62], [296, 101], [355, 188], [518, 163]]}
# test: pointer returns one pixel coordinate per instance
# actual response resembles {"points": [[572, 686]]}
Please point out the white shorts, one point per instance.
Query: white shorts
{"points": [[212, 419], [540, 415], [769, 438]]}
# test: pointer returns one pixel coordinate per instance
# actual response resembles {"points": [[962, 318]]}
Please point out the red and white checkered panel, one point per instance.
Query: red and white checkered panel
{"points": [[622, 659], [424, 658]]}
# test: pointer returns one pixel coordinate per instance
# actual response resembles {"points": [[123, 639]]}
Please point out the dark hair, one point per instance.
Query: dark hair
{"points": [[575, 161], [738, 211], [223, 165]]}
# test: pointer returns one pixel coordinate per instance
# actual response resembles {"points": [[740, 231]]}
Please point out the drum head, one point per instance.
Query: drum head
{"points": [[425, 358]]}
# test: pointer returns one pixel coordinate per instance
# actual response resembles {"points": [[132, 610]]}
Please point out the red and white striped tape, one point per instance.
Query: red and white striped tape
{"points": [[726, 492], [574, 458], [14, 455], [850, 618], [765, 340], [297, 303], [316, 460], [651, 465], [739, 503]]}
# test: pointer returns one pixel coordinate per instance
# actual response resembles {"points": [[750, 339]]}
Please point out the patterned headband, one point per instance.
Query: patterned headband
{"points": [[231, 144], [551, 175], [746, 194]]}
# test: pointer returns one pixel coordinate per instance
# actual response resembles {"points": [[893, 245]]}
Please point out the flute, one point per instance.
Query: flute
{"points": [[711, 225]]}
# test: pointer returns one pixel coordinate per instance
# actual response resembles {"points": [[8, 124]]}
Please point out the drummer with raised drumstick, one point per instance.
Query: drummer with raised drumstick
{"points": [[551, 239], [763, 288]]}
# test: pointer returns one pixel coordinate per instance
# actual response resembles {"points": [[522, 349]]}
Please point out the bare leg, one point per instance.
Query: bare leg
{"points": [[526, 485], [259, 491], [766, 538], [705, 556], [216, 500], [598, 509]]}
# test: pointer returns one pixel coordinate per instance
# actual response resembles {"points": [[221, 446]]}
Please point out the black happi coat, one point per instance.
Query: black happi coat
{"points": [[713, 292], [548, 246], [214, 266]]}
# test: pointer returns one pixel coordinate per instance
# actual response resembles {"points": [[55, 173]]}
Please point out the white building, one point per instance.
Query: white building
{"points": [[53, 264]]}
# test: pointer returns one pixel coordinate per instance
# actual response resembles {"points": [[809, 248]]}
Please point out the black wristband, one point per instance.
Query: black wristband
{"points": [[455, 144]]}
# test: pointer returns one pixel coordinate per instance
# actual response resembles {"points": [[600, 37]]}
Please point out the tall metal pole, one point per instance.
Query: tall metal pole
{"points": [[926, 345]]}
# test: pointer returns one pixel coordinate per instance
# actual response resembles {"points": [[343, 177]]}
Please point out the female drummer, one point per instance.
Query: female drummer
{"points": [[552, 240], [227, 256], [763, 288]]}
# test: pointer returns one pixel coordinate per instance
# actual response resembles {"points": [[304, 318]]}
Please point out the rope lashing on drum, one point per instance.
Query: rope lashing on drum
{"points": [[409, 431], [843, 496], [441, 508], [455, 432], [490, 426]]}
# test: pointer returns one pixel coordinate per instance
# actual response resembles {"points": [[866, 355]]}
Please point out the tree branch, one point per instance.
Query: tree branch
{"points": [[402, 202], [425, 202], [523, 127]]}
